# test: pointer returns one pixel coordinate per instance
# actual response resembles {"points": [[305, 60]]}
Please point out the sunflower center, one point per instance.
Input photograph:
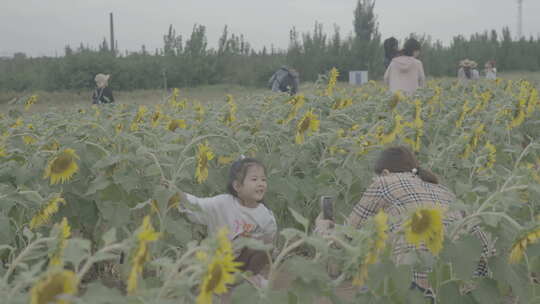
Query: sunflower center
{"points": [[173, 126], [420, 222], [304, 125], [204, 160], [51, 291], [61, 163], [215, 277], [174, 200]]}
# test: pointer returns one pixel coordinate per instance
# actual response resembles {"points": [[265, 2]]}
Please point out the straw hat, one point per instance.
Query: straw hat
{"points": [[102, 78], [467, 63]]}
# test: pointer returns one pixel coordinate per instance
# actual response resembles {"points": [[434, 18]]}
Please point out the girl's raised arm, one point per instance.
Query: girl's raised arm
{"points": [[199, 210]]}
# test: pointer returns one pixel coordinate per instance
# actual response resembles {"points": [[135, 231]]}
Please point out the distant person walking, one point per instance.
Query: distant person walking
{"points": [[285, 80], [405, 72], [467, 71], [391, 50], [490, 69], [102, 93]]}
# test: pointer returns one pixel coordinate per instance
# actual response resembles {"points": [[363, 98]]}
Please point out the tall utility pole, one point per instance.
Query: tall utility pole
{"points": [[520, 19], [112, 33]]}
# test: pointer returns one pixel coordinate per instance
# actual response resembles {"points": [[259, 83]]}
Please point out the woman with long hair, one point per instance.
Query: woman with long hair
{"points": [[400, 187], [405, 72], [391, 50]]}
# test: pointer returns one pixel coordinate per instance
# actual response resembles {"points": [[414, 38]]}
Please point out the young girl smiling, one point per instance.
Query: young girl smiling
{"points": [[241, 211]]}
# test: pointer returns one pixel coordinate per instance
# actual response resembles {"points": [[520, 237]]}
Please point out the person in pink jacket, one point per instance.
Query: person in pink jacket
{"points": [[406, 73]]}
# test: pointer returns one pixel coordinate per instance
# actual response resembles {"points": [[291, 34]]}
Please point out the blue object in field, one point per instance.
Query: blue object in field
{"points": [[358, 77]]}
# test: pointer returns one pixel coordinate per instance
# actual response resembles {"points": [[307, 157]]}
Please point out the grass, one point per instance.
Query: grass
{"points": [[61, 100]]}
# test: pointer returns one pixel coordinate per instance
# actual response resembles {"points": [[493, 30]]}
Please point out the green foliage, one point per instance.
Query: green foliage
{"points": [[130, 170]]}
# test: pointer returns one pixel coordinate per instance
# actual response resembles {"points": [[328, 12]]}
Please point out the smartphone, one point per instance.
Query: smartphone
{"points": [[327, 207]]}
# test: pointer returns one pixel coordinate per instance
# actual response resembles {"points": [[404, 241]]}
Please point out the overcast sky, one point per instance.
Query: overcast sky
{"points": [[44, 27]]}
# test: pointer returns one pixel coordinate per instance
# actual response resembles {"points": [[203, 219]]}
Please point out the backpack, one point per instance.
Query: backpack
{"points": [[288, 83]]}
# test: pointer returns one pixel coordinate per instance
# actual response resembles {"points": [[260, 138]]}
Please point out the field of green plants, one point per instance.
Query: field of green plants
{"points": [[89, 195]]}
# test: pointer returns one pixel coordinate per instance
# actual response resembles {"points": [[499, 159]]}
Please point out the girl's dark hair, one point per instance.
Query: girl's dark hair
{"points": [[238, 172], [390, 47], [401, 159], [410, 46]]}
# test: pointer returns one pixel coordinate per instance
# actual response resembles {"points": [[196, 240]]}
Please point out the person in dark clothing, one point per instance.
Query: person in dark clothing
{"points": [[467, 71], [391, 50], [285, 80], [102, 93]]}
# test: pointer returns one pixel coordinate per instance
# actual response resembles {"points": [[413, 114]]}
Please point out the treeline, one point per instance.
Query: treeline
{"points": [[190, 62]]}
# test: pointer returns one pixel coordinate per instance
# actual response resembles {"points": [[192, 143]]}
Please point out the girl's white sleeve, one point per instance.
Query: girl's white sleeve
{"points": [[202, 209]]}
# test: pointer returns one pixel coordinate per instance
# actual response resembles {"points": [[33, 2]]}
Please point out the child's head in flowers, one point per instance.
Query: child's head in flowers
{"points": [[247, 181]]}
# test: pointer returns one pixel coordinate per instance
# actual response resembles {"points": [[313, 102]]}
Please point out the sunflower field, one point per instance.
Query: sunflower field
{"points": [[89, 196]]}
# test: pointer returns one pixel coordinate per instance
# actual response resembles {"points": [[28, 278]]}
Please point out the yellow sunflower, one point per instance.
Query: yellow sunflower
{"points": [[134, 126], [376, 247], [64, 232], [174, 97], [225, 160], [29, 139], [156, 116], [341, 103], [230, 117], [32, 100], [220, 271], [332, 80], [18, 123], [491, 157], [425, 225], [119, 127], [204, 154], [145, 235], [200, 110], [381, 226], [519, 247], [533, 101], [398, 129], [175, 124], [296, 103], [140, 114], [396, 98], [308, 123], [224, 242], [61, 168], [174, 201], [44, 215], [54, 287]]}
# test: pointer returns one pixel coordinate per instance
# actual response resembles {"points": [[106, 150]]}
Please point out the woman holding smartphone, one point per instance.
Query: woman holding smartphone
{"points": [[400, 187]]}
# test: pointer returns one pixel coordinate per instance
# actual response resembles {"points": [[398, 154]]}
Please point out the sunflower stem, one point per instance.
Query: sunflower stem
{"points": [[91, 260], [503, 189], [99, 147], [174, 272], [158, 165], [23, 255], [281, 256]]}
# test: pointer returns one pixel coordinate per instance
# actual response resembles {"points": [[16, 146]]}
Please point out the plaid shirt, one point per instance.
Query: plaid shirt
{"points": [[399, 194]]}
